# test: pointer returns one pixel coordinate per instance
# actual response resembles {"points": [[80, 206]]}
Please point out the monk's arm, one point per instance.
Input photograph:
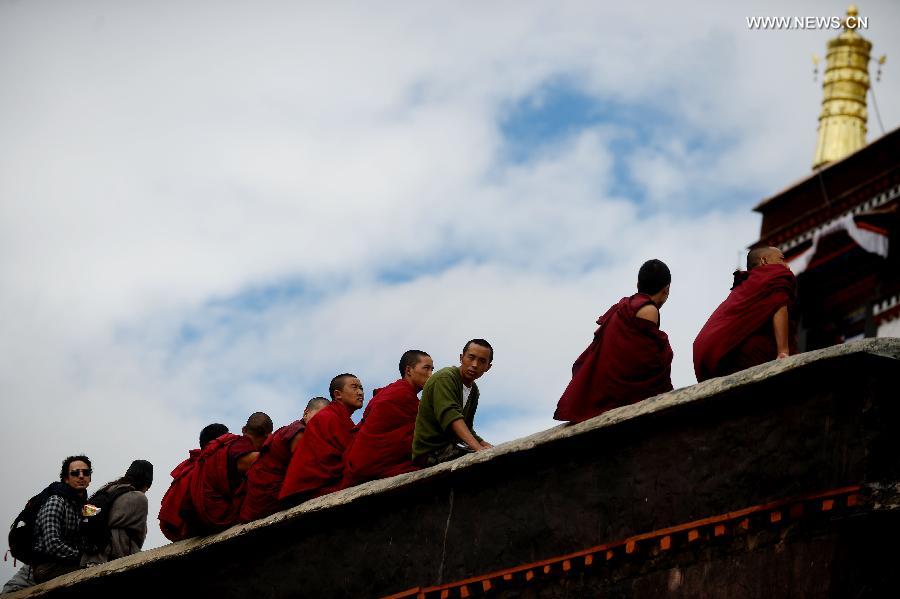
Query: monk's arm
{"points": [[780, 324], [649, 312], [245, 461], [463, 433], [295, 442]]}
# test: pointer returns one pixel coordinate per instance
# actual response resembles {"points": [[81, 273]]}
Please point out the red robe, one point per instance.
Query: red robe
{"points": [[317, 465], [176, 513], [216, 504], [266, 475], [739, 334], [630, 359], [382, 446]]}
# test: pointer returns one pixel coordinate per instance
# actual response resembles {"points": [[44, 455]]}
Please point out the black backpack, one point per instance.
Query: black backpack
{"points": [[94, 529], [21, 533]]}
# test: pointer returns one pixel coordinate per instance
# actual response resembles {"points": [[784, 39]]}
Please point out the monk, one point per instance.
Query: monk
{"points": [[630, 358], [753, 324], [444, 423], [217, 486], [177, 518], [317, 466], [265, 476], [382, 445]]}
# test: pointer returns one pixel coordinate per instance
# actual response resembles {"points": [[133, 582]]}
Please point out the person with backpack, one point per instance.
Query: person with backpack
{"points": [[56, 542], [120, 526]]}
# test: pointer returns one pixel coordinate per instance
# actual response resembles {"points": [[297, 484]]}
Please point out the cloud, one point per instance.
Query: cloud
{"points": [[204, 213]]}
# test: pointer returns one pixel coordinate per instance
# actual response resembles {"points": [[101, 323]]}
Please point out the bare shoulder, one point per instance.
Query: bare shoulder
{"points": [[649, 312]]}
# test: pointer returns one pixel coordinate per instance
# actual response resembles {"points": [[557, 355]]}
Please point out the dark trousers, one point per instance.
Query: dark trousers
{"points": [[444, 454], [47, 570]]}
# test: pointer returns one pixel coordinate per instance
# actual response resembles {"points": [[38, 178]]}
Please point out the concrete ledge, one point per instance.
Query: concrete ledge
{"points": [[811, 422]]}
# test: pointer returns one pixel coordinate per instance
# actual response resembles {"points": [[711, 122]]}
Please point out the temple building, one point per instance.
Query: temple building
{"points": [[838, 227]]}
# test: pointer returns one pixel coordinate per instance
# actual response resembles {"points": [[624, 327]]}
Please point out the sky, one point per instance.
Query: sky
{"points": [[211, 208]]}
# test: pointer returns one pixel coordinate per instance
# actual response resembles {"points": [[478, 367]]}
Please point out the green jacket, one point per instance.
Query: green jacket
{"points": [[440, 406]]}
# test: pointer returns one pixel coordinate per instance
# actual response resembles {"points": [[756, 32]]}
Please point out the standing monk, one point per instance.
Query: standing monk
{"points": [[317, 465], [752, 325], [266, 475], [383, 443], [630, 358], [447, 411]]}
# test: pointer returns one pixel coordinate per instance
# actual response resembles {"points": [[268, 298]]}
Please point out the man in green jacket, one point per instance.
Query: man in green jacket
{"points": [[447, 410]]}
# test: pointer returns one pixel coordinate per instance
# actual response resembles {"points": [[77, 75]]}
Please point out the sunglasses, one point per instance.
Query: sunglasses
{"points": [[83, 472]]}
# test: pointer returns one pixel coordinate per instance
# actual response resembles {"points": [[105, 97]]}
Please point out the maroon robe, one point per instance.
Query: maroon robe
{"points": [[382, 446], [176, 512], [266, 475], [216, 502], [740, 334], [317, 465], [630, 359]]}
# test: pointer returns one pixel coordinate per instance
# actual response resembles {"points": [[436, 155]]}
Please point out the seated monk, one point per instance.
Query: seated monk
{"points": [[217, 488], [382, 445], [177, 518], [317, 466], [752, 325], [266, 475], [630, 358]]}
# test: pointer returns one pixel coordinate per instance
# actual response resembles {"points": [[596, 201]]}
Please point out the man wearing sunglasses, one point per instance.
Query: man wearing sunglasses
{"points": [[56, 540]]}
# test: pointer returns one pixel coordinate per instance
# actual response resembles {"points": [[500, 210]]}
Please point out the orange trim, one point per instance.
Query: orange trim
{"points": [[872, 228], [740, 518]]}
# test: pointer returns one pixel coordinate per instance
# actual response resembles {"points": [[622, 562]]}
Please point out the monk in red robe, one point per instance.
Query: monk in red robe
{"points": [[630, 358], [382, 445], [265, 476], [217, 486], [177, 517], [317, 467], [753, 324]]}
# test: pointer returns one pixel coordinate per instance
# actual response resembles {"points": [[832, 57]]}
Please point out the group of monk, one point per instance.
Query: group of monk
{"points": [[630, 358], [239, 478]]}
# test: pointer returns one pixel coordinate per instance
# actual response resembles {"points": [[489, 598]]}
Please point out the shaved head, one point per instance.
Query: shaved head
{"points": [[259, 424], [764, 255], [316, 403], [314, 406]]}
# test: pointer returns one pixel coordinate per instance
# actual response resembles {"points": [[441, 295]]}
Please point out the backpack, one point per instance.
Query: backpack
{"points": [[21, 532], [94, 528]]}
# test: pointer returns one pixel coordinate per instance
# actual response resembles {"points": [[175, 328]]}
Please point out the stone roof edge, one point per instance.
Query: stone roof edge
{"points": [[886, 347]]}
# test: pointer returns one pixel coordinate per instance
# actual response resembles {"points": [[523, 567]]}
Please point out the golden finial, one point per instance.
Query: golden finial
{"points": [[842, 122]]}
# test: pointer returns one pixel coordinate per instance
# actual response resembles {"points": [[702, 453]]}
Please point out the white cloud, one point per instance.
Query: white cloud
{"points": [[157, 162]]}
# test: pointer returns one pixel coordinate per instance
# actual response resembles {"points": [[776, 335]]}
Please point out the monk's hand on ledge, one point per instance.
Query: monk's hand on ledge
{"points": [[782, 355], [486, 445]]}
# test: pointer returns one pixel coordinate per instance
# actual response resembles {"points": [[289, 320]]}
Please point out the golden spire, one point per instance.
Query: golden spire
{"points": [[842, 124]]}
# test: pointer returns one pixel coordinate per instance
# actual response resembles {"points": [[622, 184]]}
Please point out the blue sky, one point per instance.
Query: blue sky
{"points": [[207, 213]]}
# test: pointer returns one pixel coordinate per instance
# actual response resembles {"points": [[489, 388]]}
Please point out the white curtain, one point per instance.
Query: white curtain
{"points": [[870, 241]]}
